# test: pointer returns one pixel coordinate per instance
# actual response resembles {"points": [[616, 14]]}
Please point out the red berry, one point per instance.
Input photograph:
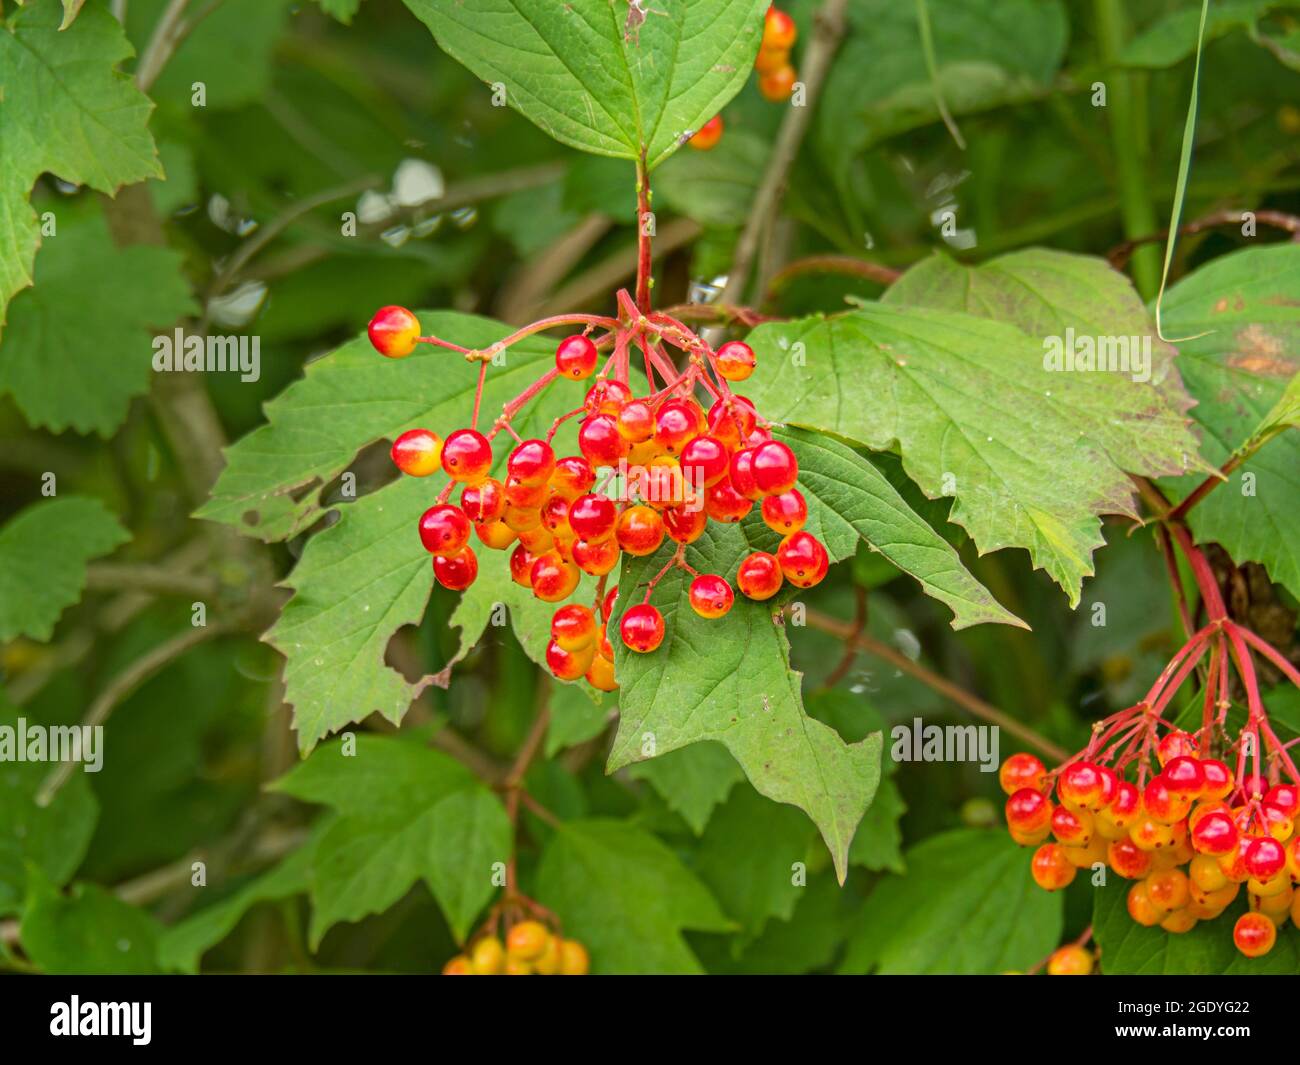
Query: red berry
{"points": [[1184, 776], [417, 452], [1175, 744], [494, 534], [803, 559], [640, 530], [555, 516], [1162, 802], [779, 30], [776, 470], [518, 494], [456, 571], [723, 503], [742, 474], [1072, 828], [1264, 856], [1051, 869], [569, 665], [778, 85], [606, 397], [735, 360], [552, 578], [677, 422], [731, 419], [596, 557], [759, 576], [785, 513], [1219, 780], [485, 501], [1021, 770], [573, 477], [521, 566], [601, 674], [531, 463], [1214, 833], [704, 461], [574, 627], [1079, 786], [394, 331], [607, 605], [444, 529], [642, 628], [593, 517], [710, 596], [467, 455], [1028, 811], [636, 421], [1128, 859], [1254, 934], [1286, 797], [600, 441], [708, 135], [684, 525], [576, 357]]}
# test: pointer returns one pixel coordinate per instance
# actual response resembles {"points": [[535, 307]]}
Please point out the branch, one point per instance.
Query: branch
{"points": [[833, 264], [1119, 255], [816, 62], [154, 580], [972, 704]]}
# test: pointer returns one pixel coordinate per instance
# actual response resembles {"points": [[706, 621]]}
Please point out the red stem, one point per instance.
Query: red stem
{"points": [[1209, 587], [643, 259]]}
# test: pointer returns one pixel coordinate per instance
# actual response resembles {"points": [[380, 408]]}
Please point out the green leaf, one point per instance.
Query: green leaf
{"points": [[748, 855], [343, 10], [730, 680], [88, 931], [52, 839], [626, 896], [76, 353], [1129, 948], [64, 109], [966, 905], [271, 486], [43, 556], [1172, 37], [407, 813], [848, 498], [613, 79], [969, 403], [878, 843], [716, 187], [575, 717], [1247, 305], [691, 780]]}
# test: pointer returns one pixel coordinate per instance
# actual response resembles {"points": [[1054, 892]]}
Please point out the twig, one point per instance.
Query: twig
{"points": [[154, 580], [1119, 255], [972, 704], [172, 28], [833, 264]]}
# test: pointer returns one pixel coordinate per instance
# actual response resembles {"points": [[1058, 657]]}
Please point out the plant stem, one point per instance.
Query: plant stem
{"points": [[644, 224]]}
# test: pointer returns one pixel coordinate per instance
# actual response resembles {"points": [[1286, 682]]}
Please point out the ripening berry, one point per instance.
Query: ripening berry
{"points": [[522, 519], [1127, 859], [1051, 869], [552, 578], [1273, 885], [723, 503], [741, 474], [574, 627], [1109, 785], [731, 419], [600, 441], [467, 456], [708, 135], [770, 59], [735, 360], [636, 421], [1080, 786], [1180, 921], [684, 525], [1277, 906], [521, 565], [677, 422], [1233, 864], [1150, 834], [778, 85], [573, 476], [1293, 858], [640, 530], [527, 496], [642, 628], [1264, 857], [1176, 744], [1086, 855], [575, 357], [1205, 875], [1140, 907], [775, 468], [1115, 820], [444, 529], [394, 331], [803, 559], [607, 604], [593, 517], [457, 571], [710, 596], [1286, 797], [574, 960], [527, 940], [1021, 770], [555, 516], [1073, 960], [1184, 776], [759, 576], [1219, 780], [606, 397], [1295, 908], [1278, 825], [538, 541], [485, 501], [569, 665], [1214, 833], [601, 674], [548, 962], [1160, 801], [1029, 811], [704, 461], [531, 463], [1071, 827], [458, 966], [1254, 934], [417, 452], [488, 956], [494, 534], [596, 557], [785, 513], [1168, 889], [779, 30]]}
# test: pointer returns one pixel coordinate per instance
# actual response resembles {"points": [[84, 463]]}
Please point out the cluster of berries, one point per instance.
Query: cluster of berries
{"points": [[1188, 837], [676, 466], [776, 74], [530, 949]]}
